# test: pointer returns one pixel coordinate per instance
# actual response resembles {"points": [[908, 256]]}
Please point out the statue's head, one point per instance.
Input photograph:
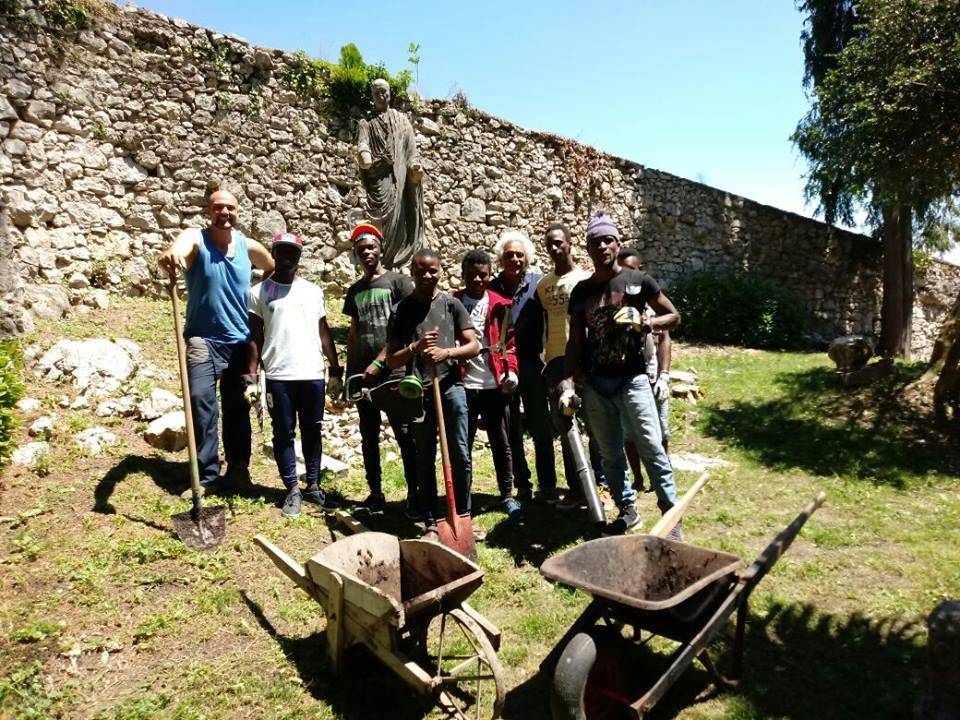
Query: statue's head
{"points": [[380, 91]]}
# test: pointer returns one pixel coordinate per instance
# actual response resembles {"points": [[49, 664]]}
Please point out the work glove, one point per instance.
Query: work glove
{"points": [[509, 384], [251, 388], [632, 318], [661, 389], [569, 401], [335, 387]]}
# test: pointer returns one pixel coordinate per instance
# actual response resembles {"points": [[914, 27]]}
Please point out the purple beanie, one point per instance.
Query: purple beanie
{"points": [[602, 225]]}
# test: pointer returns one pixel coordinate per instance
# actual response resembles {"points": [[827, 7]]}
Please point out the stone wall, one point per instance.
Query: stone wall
{"points": [[937, 289], [112, 137]]}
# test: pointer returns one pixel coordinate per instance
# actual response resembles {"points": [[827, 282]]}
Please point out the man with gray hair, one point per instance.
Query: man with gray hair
{"points": [[516, 253]]}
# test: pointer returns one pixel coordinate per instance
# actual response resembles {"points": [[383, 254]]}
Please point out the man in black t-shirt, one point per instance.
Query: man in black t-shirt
{"points": [[430, 333], [607, 334], [369, 304]]}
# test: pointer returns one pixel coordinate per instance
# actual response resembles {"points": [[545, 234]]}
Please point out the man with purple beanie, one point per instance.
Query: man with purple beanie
{"points": [[607, 333]]}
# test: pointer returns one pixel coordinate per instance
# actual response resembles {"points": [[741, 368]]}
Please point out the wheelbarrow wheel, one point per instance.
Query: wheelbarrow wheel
{"points": [[588, 682], [461, 658]]}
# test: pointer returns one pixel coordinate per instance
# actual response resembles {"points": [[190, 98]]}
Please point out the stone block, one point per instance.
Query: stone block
{"points": [[7, 111], [40, 112], [85, 155], [168, 432]]}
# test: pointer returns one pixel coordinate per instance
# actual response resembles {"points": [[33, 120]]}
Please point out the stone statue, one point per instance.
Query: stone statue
{"points": [[391, 172]]}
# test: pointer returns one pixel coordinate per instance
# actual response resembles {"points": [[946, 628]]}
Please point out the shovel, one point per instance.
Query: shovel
{"points": [[201, 528], [456, 531]]}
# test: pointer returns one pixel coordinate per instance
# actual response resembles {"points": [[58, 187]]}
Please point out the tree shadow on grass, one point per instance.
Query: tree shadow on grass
{"points": [[815, 425], [799, 664], [366, 688]]}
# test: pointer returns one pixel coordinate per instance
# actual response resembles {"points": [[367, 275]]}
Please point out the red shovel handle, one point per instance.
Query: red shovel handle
{"points": [[452, 517]]}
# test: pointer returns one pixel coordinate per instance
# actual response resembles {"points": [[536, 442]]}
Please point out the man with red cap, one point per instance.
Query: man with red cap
{"points": [[290, 335], [370, 304]]}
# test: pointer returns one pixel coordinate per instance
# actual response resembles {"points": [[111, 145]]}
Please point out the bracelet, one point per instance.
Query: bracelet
{"points": [[378, 364]]}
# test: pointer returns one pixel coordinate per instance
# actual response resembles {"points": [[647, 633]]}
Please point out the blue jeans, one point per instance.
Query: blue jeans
{"points": [[288, 402], [210, 362], [454, 399], [630, 411]]}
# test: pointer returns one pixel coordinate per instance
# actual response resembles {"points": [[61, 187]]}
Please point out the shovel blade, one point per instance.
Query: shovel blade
{"points": [[459, 538], [202, 528]]}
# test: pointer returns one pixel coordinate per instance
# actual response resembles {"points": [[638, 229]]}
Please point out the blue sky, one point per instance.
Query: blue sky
{"points": [[703, 89]]}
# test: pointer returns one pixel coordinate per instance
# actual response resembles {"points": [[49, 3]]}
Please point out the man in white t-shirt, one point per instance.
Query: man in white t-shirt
{"points": [[289, 332]]}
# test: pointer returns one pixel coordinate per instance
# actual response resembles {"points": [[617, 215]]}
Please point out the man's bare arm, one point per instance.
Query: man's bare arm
{"points": [[664, 351], [259, 256], [181, 252], [667, 316], [573, 358], [256, 342], [329, 348]]}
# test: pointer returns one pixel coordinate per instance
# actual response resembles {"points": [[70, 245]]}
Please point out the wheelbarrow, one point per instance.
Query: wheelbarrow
{"points": [[671, 589], [405, 600]]}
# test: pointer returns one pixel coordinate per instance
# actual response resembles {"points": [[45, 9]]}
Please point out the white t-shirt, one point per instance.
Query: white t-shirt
{"points": [[291, 339], [478, 374]]}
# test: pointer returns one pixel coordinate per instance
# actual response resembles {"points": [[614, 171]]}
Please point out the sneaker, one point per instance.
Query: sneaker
{"points": [[524, 494], [572, 501], [411, 510], [292, 503], [315, 495], [628, 518], [431, 534], [373, 503], [676, 533], [511, 507]]}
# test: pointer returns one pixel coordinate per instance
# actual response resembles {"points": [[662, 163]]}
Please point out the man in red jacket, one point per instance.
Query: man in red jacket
{"points": [[491, 377]]}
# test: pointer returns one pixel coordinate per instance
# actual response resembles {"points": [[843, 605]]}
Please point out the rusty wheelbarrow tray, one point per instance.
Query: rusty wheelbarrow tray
{"points": [[679, 591], [405, 600]]}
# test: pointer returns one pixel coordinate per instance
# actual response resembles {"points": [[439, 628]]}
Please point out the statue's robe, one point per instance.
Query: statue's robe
{"points": [[396, 204]]}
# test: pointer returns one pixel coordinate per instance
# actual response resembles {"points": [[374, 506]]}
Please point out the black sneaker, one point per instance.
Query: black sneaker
{"points": [[217, 487], [292, 503], [524, 494], [373, 503], [629, 518], [238, 480], [315, 495]]}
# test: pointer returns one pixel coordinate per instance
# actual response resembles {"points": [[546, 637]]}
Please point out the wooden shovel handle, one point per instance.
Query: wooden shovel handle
{"points": [[185, 390], [675, 514], [445, 457]]}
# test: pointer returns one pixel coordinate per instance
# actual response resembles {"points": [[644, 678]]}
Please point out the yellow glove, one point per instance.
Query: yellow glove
{"points": [[631, 317], [251, 390]]}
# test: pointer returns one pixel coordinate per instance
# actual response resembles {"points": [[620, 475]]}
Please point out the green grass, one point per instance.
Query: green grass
{"points": [[836, 630]]}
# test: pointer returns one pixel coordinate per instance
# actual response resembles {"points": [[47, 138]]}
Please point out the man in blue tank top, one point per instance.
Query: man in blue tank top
{"points": [[217, 262]]}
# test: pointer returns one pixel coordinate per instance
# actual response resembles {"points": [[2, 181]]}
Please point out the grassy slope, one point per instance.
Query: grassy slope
{"points": [[103, 614]]}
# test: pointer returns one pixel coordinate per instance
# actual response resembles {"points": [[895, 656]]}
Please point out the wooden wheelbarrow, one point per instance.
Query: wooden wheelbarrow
{"points": [[405, 600], [678, 591]]}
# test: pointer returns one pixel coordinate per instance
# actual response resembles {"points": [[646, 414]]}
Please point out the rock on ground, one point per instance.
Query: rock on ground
{"points": [[96, 368], [28, 455], [159, 403], [42, 427], [95, 440], [28, 405], [168, 432]]}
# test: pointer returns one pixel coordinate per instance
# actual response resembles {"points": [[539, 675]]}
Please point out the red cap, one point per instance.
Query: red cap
{"points": [[365, 229], [288, 239]]}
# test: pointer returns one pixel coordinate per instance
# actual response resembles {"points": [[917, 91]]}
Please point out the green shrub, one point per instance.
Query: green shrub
{"points": [[738, 309], [68, 15], [347, 83], [11, 390]]}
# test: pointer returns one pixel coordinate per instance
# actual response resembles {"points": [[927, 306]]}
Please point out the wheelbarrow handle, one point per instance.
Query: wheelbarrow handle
{"points": [[766, 560]]}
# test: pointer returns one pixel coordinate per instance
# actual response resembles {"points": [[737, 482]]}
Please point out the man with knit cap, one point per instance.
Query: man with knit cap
{"points": [[370, 304], [607, 334]]}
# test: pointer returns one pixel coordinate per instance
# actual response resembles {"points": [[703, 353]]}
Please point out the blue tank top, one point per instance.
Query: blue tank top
{"points": [[218, 288]]}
